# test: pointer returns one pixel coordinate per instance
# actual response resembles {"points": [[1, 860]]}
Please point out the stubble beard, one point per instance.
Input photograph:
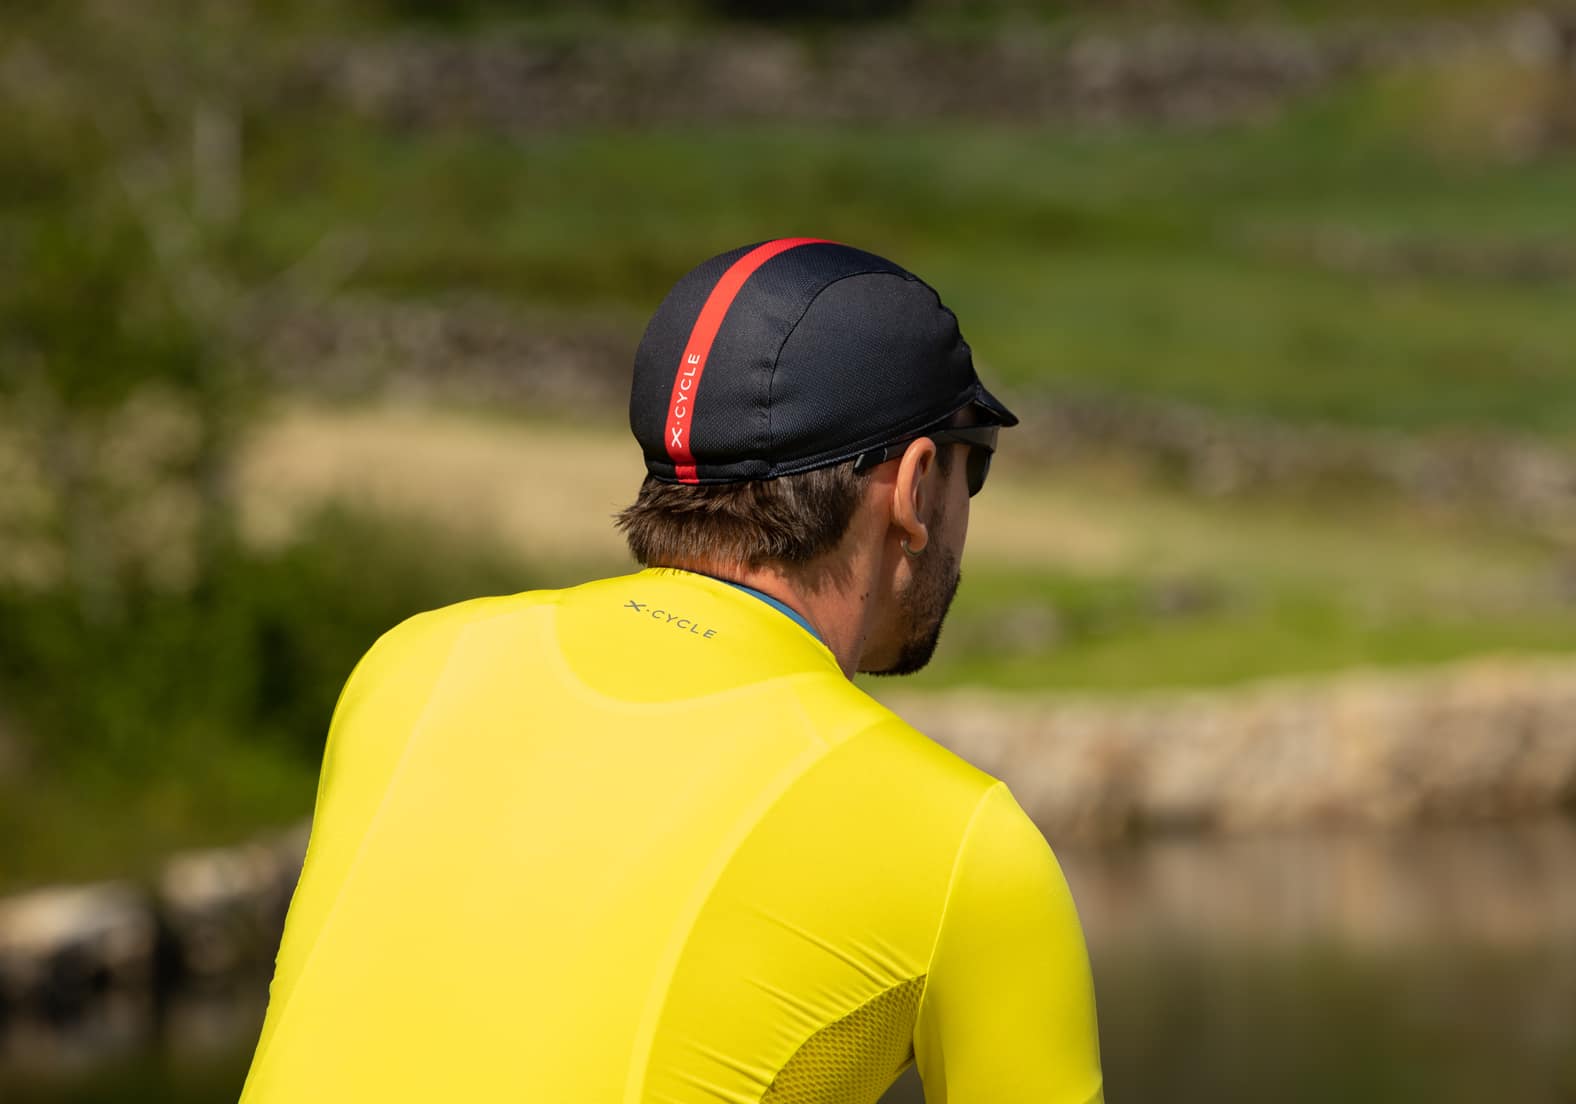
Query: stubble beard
{"points": [[924, 606]]}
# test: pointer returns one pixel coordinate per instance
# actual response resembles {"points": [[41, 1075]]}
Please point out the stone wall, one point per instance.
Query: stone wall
{"points": [[69, 952], [1522, 479], [1486, 738], [1176, 74]]}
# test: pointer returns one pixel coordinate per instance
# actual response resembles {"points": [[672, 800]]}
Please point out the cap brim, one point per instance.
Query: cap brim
{"points": [[995, 411]]}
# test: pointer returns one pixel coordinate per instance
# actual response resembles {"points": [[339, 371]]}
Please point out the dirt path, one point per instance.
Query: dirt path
{"points": [[546, 491], [550, 491]]}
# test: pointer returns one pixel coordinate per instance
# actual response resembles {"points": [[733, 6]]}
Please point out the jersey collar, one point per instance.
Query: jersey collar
{"points": [[781, 607]]}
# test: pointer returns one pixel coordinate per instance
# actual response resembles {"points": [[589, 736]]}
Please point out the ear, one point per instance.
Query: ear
{"points": [[913, 490]]}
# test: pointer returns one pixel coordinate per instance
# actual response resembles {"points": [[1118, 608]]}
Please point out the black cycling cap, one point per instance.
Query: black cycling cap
{"points": [[796, 354]]}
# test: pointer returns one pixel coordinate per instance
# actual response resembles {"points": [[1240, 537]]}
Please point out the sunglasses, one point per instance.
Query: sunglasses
{"points": [[980, 439]]}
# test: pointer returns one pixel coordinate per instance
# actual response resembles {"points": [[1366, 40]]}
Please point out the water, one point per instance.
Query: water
{"points": [[1434, 966]]}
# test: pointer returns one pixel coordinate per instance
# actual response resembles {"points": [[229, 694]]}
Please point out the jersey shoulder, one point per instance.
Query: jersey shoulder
{"points": [[443, 623], [1008, 1010], [843, 711]]}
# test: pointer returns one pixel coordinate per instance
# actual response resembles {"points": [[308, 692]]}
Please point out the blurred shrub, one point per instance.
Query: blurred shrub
{"points": [[144, 635], [119, 308], [260, 654]]}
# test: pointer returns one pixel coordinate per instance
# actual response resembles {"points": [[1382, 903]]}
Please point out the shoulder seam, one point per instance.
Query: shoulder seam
{"points": [[946, 901]]}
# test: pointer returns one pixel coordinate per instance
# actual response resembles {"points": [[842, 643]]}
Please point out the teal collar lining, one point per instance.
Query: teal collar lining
{"points": [[780, 607]]}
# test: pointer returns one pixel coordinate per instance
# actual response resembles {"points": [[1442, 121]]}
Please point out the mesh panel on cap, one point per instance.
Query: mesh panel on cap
{"points": [[855, 1059]]}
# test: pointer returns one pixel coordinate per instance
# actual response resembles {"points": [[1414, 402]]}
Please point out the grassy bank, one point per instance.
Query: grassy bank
{"points": [[1337, 264]]}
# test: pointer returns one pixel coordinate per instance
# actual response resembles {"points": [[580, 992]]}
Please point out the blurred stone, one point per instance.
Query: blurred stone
{"points": [[1533, 38], [1186, 597], [65, 948], [1476, 740], [1529, 482], [223, 909], [473, 350], [1184, 74]]}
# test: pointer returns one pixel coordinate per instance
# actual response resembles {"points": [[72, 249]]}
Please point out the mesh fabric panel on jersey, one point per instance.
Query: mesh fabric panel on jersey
{"points": [[855, 1059]]}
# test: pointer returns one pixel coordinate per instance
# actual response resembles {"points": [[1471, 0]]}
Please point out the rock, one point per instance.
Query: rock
{"points": [[64, 948], [223, 909], [1486, 738]]}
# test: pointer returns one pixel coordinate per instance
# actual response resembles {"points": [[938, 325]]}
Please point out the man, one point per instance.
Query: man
{"points": [[643, 840]]}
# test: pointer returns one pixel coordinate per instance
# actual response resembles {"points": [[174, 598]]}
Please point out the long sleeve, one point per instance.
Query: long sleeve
{"points": [[1008, 1011]]}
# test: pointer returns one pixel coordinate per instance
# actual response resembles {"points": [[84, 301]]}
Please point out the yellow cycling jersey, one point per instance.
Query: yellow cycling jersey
{"points": [[641, 840]]}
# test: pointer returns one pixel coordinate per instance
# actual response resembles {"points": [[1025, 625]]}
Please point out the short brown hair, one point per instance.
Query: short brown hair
{"points": [[788, 522]]}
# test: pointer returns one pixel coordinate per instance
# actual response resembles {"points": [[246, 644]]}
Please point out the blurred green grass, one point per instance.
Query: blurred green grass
{"points": [[1168, 264], [1185, 592], [1049, 633]]}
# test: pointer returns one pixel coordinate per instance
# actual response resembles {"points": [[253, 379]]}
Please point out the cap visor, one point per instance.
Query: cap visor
{"points": [[996, 412]]}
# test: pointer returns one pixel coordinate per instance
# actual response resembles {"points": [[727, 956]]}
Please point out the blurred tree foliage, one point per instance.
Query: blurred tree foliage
{"points": [[121, 149], [133, 622], [121, 374]]}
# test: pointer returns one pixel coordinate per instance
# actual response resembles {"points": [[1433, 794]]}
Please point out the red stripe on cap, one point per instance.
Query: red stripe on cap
{"points": [[692, 363]]}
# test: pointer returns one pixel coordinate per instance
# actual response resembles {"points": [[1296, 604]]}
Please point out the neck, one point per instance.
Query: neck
{"points": [[838, 607]]}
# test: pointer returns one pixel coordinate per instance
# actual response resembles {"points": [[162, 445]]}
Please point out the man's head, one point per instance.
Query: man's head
{"points": [[811, 411]]}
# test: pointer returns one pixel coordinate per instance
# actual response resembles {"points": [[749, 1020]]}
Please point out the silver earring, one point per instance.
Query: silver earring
{"points": [[909, 550]]}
